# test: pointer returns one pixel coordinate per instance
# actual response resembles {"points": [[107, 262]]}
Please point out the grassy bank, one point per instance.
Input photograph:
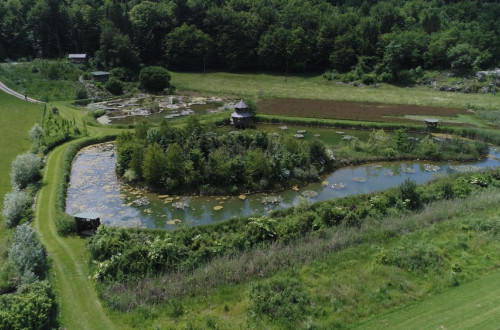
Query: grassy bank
{"points": [[316, 87], [342, 272], [17, 117]]}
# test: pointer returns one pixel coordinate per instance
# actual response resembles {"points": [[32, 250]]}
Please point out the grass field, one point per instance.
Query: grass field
{"points": [[16, 119], [474, 305], [336, 301], [316, 87]]}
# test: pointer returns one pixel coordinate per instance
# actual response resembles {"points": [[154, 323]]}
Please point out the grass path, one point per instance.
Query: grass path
{"points": [[77, 299], [475, 305]]}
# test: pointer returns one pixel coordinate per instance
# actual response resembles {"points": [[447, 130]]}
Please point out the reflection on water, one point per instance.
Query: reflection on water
{"points": [[94, 187]]}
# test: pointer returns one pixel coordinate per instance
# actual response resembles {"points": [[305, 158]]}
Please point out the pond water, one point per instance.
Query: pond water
{"points": [[94, 187]]}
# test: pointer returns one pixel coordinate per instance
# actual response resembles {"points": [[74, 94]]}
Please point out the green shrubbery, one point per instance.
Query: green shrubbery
{"points": [[195, 159], [283, 300], [127, 254]]}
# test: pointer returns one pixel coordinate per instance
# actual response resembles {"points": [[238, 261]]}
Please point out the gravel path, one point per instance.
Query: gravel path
{"points": [[18, 95]]}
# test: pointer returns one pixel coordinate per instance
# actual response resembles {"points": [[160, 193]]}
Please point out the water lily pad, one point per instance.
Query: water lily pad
{"points": [[309, 193], [218, 207], [359, 179], [271, 199], [295, 188], [174, 222], [325, 183], [242, 197]]}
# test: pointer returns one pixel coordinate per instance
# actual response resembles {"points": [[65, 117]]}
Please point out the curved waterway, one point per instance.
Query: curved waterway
{"points": [[94, 187]]}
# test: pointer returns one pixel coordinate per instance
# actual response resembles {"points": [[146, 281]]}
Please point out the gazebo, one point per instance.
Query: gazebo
{"points": [[78, 58], [101, 76], [87, 221], [241, 118], [431, 123]]}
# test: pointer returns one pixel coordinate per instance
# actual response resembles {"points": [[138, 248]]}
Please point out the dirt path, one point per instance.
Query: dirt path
{"points": [[18, 95]]}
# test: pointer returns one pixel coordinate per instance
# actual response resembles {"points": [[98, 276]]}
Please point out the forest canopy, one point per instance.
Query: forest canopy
{"points": [[297, 35]]}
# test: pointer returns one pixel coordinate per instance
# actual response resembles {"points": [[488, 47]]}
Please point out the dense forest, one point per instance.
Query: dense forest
{"points": [[385, 37]]}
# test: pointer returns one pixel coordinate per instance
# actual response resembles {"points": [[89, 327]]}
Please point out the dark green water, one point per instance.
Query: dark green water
{"points": [[94, 187]]}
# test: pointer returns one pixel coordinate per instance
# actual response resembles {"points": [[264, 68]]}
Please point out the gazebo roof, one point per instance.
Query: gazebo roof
{"points": [[431, 120], [100, 73], [241, 105], [88, 215], [241, 115], [77, 55]]}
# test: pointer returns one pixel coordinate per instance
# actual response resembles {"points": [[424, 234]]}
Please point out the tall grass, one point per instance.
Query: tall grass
{"points": [[264, 261], [262, 85]]}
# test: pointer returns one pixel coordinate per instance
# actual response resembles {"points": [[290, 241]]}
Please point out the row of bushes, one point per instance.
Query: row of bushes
{"points": [[32, 305], [128, 254]]}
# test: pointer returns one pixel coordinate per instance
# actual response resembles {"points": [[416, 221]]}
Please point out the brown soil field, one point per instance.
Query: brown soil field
{"points": [[352, 110]]}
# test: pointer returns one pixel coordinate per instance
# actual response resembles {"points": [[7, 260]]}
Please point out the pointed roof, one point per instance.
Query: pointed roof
{"points": [[241, 105]]}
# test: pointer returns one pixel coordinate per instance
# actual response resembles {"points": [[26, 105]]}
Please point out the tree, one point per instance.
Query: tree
{"points": [[174, 164], [187, 48], [15, 205], [25, 169], [26, 252], [154, 78], [154, 165], [114, 86], [463, 57], [151, 22]]}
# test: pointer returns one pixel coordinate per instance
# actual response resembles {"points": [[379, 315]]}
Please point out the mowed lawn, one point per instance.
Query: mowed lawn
{"points": [[16, 119], [262, 85], [474, 305]]}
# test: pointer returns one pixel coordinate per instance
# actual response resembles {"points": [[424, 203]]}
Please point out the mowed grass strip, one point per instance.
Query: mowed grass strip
{"points": [[16, 119], [77, 299], [352, 110], [474, 305], [266, 86]]}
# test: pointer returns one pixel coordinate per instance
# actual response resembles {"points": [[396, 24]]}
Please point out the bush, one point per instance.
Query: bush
{"points": [[81, 93], [30, 308], [35, 132], [280, 299], [418, 256], [26, 252], [409, 195], [65, 223], [15, 207], [114, 86], [154, 78], [25, 169]]}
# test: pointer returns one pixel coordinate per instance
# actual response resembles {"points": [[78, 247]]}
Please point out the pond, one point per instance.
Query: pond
{"points": [[94, 187]]}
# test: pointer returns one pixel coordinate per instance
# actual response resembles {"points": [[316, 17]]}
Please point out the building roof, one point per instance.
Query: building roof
{"points": [[241, 105], [71, 56], [241, 115], [88, 215], [431, 120], [100, 73]]}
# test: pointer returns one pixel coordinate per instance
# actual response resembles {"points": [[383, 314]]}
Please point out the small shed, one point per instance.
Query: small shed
{"points": [[241, 117], [87, 221], [101, 76], [431, 123], [78, 58]]}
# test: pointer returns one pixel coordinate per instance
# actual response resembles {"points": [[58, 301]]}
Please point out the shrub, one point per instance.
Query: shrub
{"points": [[65, 223], [81, 93], [35, 132], [26, 252], [114, 86], [411, 257], [154, 78], [15, 207], [30, 308], [409, 195], [25, 169], [280, 299]]}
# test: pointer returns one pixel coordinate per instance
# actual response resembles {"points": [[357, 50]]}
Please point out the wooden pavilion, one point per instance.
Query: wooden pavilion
{"points": [[431, 123], [241, 116], [87, 221], [78, 58], [101, 76]]}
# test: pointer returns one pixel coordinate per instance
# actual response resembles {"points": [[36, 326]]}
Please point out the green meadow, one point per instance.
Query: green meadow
{"points": [[347, 286], [16, 119]]}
